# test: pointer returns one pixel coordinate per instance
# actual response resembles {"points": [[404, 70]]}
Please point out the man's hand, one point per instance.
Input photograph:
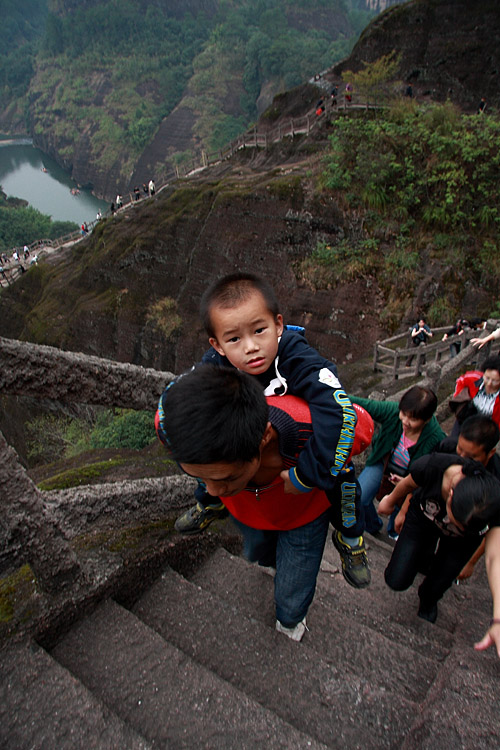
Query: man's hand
{"points": [[289, 488], [492, 638]]}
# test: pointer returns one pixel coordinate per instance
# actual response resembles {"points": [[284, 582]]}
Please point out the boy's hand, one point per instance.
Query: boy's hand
{"points": [[290, 488]]}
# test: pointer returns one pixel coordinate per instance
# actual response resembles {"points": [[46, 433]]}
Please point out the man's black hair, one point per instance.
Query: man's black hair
{"points": [[230, 291], [491, 363], [476, 499], [213, 414], [419, 402], [482, 431]]}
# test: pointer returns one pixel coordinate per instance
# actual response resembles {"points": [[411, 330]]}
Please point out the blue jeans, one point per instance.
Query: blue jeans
{"points": [[296, 554], [370, 480]]}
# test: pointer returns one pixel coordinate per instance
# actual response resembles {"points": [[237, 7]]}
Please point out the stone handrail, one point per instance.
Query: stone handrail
{"points": [[30, 529]]}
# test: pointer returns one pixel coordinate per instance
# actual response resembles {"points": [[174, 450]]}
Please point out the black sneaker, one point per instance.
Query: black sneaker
{"points": [[428, 613], [355, 566], [198, 518]]}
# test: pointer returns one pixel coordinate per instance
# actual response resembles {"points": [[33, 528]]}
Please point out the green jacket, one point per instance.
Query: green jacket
{"points": [[386, 413]]}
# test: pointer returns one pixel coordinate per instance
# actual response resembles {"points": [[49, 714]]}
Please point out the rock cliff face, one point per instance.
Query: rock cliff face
{"points": [[450, 49], [106, 299]]}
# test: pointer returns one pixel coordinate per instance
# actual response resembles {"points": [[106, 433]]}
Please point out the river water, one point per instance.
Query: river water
{"points": [[22, 175]]}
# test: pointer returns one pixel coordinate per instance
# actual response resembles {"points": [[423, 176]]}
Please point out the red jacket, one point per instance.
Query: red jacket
{"points": [[473, 380], [269, 507]]}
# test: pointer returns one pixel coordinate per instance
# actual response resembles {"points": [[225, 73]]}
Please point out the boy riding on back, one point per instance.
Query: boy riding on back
{"points": [[241, 315]]}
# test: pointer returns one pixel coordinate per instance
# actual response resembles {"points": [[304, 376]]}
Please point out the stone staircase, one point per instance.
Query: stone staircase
{"points": [[198, 663]]}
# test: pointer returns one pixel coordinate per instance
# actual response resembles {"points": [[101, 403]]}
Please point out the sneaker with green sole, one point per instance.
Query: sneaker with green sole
{"points": [[197, 518], [355, 568]]}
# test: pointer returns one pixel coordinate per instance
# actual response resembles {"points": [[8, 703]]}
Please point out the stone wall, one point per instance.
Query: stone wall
{"points": [[37, 527]]}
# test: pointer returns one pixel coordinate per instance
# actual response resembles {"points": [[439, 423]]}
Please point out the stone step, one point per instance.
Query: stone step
{"points": [[162, 693], [376, 608], [291, 679], [360, 650], [463, 707], [44, 706]]}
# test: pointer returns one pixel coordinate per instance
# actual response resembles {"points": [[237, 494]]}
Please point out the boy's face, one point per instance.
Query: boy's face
{"points": [[247, 334]]}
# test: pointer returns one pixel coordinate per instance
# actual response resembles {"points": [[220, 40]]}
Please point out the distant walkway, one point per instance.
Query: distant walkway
{"points": [[253, 138]]}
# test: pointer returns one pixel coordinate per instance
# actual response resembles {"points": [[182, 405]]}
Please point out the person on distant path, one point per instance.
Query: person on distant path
{"points": [[420, 333], [481, 106], [455, 502], [137, 193], [112, 209], [221, 429], [408, 430], [456, 330], [491, 337], [333, 95], [145, 189], [119, 201], [151, 188], [99, 215], [348, 92]]}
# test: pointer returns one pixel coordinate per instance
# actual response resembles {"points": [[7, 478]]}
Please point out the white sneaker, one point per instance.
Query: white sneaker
{"points": [[294, 633]]}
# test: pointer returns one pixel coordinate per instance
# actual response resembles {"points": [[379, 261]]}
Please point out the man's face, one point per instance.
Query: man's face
{"points": [[224, 479], [247, 334], [468, 449]]}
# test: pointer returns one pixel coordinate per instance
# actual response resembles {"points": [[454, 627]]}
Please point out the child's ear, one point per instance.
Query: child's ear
{"points": [[213, 342], [279, 323]]}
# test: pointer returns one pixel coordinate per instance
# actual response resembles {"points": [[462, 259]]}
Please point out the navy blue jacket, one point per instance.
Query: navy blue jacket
{"points": [[299, 370]]}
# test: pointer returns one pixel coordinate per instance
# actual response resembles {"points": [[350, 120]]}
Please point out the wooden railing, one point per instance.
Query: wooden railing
{"points": [[398, 356]]}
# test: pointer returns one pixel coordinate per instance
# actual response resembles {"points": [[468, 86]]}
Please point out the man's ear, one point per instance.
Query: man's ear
{"points": [[213, 342], [279, 323], [266, 437]]}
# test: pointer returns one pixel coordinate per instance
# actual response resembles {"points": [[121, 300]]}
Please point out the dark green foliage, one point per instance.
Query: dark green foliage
{"points": [[22, 24], [21, 225], [123, 428], [432, 164]]}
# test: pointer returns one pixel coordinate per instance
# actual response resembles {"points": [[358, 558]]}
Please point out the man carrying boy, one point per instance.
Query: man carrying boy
{"points": [[222, 430], [241, 315]]}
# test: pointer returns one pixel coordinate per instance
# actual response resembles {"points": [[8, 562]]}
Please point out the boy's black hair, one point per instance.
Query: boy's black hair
{"points": [[419, 402], [481, 430], [213, 414], [232, 289], [492, 363], [476, 499]]}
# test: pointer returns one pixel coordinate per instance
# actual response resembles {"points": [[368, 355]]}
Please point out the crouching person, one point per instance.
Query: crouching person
{"points": [[222, 430], [455, 502]]}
